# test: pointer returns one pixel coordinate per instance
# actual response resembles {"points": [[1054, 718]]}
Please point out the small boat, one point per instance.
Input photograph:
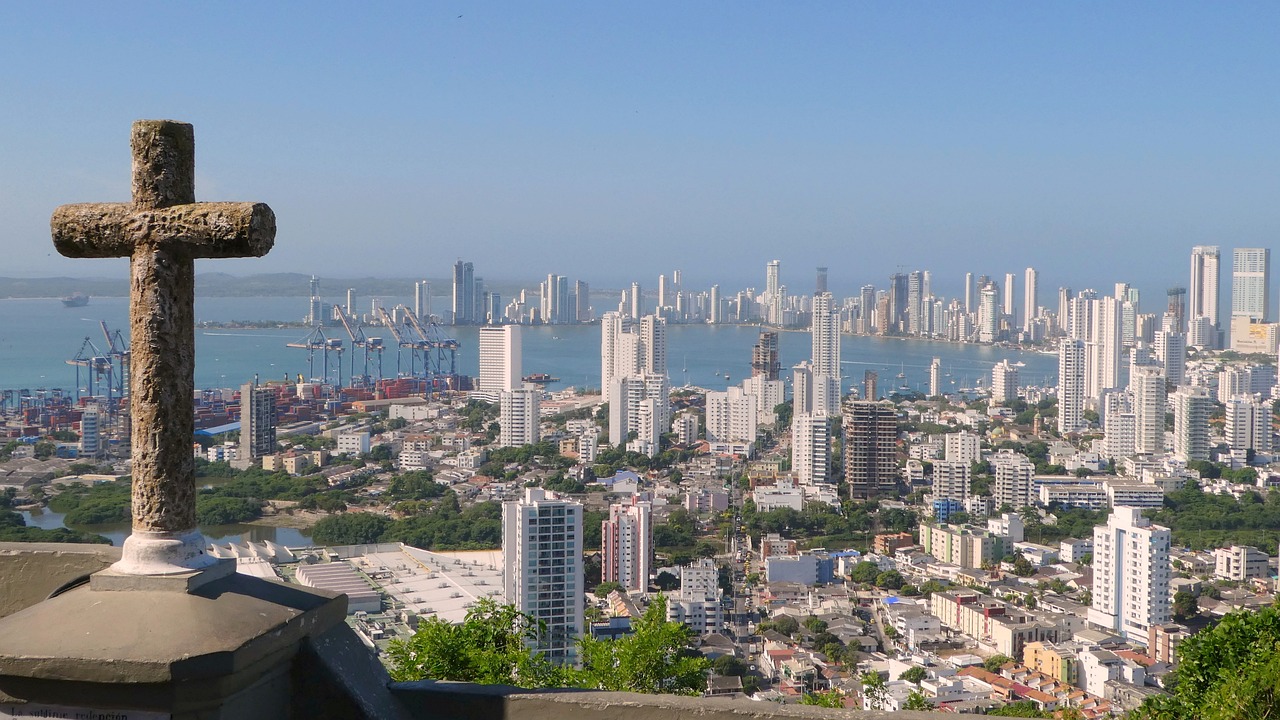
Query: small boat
{"points": [[540, 378], [77, 299]]}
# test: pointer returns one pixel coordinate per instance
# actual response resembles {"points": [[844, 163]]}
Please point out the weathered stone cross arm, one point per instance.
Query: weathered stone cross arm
{"points": [[162, 232], [196, 230]]}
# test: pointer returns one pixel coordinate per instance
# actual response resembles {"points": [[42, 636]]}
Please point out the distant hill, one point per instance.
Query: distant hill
{"points": [[216, 284]]}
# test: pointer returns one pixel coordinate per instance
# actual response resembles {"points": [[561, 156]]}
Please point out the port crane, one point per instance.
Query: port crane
{"points": [[318, 340], [360, 340], [403, 341], [440, 348]]}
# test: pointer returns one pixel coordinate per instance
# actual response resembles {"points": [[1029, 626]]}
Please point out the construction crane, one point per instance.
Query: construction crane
{"points": [[360, 340], [317, 340], [118, 352], [439, 348], [415, 346], [97, 365]]}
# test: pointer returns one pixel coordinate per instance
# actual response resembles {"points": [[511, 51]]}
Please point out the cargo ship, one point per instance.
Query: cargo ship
{"points": [[540, 378], [75, 300]]}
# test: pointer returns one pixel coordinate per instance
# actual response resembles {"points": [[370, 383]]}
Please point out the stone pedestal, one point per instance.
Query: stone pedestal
{"points": [[216, 644]]}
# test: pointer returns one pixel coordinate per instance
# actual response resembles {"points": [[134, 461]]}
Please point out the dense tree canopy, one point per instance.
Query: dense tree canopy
{"points": [[1228, 672]]}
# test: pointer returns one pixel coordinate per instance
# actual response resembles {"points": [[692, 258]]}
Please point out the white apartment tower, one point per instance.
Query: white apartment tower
{"points": [[627, 545], [951, 480], [1010, 304], [1030, 298], [825, 332], [542, 573], [988, 314], [91, 432], [1119, 424], [1205, 275], [1147, 384], [1004, 382], [639, 404], [1070, 385], [1248, 424], [1251, 284], [935, 377], [518, 415], [813, 393], [500, 360], [773, 293], [1170, 349], [1130, 574], [1014, 475], [962, 447], [810, 448], [732, 416], [1191, 408]]}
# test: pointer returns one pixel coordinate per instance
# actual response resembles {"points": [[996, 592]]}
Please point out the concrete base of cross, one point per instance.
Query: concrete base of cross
{"points": [[164, 553]]}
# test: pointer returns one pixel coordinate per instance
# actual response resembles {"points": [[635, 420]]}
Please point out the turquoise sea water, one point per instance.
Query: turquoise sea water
{"points": [[38, 336]]}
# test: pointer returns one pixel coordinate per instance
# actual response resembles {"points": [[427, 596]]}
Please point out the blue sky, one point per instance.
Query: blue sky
{"points": [[609, 142]]}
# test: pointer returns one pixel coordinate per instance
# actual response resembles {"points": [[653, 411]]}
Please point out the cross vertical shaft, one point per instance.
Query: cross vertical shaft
{"points": [[162, 232]]}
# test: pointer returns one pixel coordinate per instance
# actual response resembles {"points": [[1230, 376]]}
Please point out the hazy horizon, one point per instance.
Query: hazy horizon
{"points": [[1097, 143]]}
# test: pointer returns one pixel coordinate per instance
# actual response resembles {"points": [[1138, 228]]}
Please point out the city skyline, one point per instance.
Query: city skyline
{"points": [[841, 136]]}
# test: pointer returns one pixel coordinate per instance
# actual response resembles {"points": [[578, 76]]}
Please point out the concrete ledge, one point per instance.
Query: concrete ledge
{"points": [[465, 701], [113, 580], [30, 572]]}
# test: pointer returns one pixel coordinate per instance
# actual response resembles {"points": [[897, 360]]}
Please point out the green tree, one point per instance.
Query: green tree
{"points": [[350, 529], [995, 662], [1021, 708], [604, 588], [864, 572], [829, 699], [666, 581], [873, 689], [654, 659], [1229, 672], [492, 645], [1022, 567], [1185, 605], [917, 701], [889, 580], [913, 674]]}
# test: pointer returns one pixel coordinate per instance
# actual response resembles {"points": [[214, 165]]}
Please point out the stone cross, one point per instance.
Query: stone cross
{"points": [[162, 232]]}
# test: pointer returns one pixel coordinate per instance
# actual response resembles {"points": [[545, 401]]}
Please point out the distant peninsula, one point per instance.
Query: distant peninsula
{"points": [[216, 284]]}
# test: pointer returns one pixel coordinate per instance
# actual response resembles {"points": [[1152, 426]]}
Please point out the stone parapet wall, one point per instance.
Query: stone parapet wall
{"points": [[465, 701], [30, 572]]}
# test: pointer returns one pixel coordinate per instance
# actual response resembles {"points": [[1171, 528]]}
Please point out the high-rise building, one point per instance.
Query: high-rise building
{"points": [[870, 381], [732, 416], [963, 447], [465, 307], [988, 314], [820, 284], [866, 309], [501, 359], [898, 292], [968, 293], [1170, 349], [1004, 382], [627, 544], [421, 299], [351, 299], [1010, 305], [1119, 424], [1064, 309], [1251, 284], [582, 302], [518, 416], [1030, 298], [1248, 424], [1130, 574], [653, 345], [951, 480], [1205, 276], [1147, 384], [825, 333], [716, 312], [640, 404], [1103, 348], [1014, 475], [1191, 408], [542, 573], [935, 377], [769, 395], [814, 393], [870, 448], [765, 361], [1070, 385], [773, 293], [91, 432], [257, 423], [618, 349], [810, 448], [637, 301]]}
